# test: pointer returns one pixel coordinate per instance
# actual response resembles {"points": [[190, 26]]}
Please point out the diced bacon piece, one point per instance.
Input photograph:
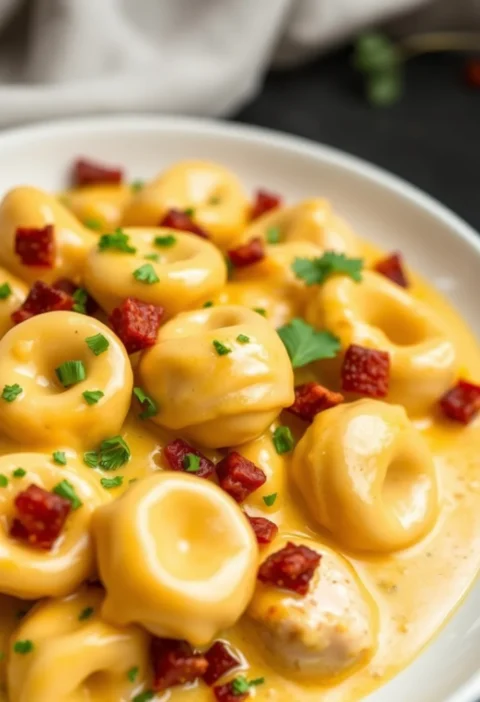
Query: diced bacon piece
{"points": [[42, 298], [264, 529], [238, 476], [136, 323], [175, 663], [40, 517], [312, 398], [366, 371], [264, 202], [175, 453], [36, 246], [247, 254], [90, 173], [291, 568], [177, 219], [220, 662], [227, 693], [392, 268], [472, 72], [461, 402]]}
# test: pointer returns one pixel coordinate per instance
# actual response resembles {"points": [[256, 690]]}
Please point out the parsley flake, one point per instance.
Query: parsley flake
{"points": [[144, 696], [243, 339], [260, 310], [25, 646], [11, 392], [270, 499], [59, 458], [283, 440], [137, 185], [90, 458], [85, 614], [92, 396], [146, 274], [150, 408], [189, 211], [208, 303], [19, 473], [314, 271], [5, 291], [241, 686], [3, 480], [165, 241], [71, 372], [118, 241], [80, 297], [305, 344], [133, 673], [93, 223], [97, 343], [109, 483], [273, 235], [191, 463], [220, 348], [114, 452], [152, 257], [67, 491]]}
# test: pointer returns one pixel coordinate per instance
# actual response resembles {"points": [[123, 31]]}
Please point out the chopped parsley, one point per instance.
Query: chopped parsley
{"points": [[241, 685], [230, 268], [60, 458], [92, 396], [19, 473], [146, 274], [67, 491], [144, 696], [114, 452], [316, 270], [11, 392], [150, 408], [220, 348], [80, 297], [93, 223], [137, 185], [260, 310], [283, 440], [133, 673], [25, 646], [3, 480], [118, 241], [85, 614], [109, 483], [243, 339], [273, 235], [270, 499], [189, 211], [305, 344], [208, 303], [97, 343], [165, 241], [191, 463], [71, 372], [152, 257], [5, 291], [90, 458]]}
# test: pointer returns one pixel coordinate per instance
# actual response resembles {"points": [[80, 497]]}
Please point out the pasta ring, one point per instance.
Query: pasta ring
{"points": [[99, 205]]}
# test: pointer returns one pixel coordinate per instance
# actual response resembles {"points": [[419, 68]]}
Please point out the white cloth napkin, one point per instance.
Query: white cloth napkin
{"points": [[206, 57]]}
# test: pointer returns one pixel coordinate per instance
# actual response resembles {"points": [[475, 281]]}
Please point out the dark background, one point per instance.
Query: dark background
{"points": [[431, 137]]}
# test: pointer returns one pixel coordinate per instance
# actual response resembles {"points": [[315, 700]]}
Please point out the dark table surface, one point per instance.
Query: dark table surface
{"points": [[430, 138]]}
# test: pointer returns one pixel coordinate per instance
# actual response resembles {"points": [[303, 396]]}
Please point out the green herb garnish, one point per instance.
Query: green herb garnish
{"points": [[150, 408], [243, 339], [165, 241], [71, 372], [5, 291], [220, 348], [109, 483], [67, 491], [283, 440], [191, 463], [273, 235], [11, 392], [25, 646], [260, 310], [80, 297], [305, 344], [133, 673], [94, 224], [92, 396], [19, 473], [114, 452], [137, 185], [314, 271], [90, 458], [146, 274], [117, 241], [97, 343], [85, 614], [3, 480], [270, 499], [152, 257], [59, 458]]}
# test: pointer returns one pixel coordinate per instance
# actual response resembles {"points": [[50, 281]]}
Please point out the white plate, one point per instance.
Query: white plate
{"points": [[379, 206]]}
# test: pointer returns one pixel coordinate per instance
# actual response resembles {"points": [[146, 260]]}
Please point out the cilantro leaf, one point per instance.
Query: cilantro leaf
{"points": [[316, 270], [305, 344]]}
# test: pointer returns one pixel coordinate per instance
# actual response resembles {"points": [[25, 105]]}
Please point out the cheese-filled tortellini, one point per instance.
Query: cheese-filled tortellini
{"points": [[99, 207], [171, 269], [311, 220], [378, 314], [211, 193], [13, 292], [176, 555], [272, 301], [219, 376], [366, 474], [32, 208], [54, 362], [324, 634], [76, 655], [27, 570]]}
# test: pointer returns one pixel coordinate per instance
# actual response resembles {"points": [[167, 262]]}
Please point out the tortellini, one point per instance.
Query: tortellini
{"points": [[30, 207], [323, 635], [76, 655], [99, 207], [219, 375], [26, 571], [213, 194], [366, 474], [32, 352], [186, 271], [156, 560], [378, 314]]}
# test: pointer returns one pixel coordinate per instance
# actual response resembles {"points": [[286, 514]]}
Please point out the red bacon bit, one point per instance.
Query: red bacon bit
{"points": [[264, 202], [472, 72], [392, 268], [36, 246], [177, 219], [366, 371], [220, 662], [90, 173], [136, 323], [227, 693], [42, 298], [40, 517], [291, 568], [264, 529], [175, 453], [462, 402], [175, 663], [312, 398], [238, 476], [247, 254]]}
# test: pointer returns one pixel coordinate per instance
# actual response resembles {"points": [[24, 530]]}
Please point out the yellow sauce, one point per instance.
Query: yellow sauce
{"points": [[414, 590]]}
